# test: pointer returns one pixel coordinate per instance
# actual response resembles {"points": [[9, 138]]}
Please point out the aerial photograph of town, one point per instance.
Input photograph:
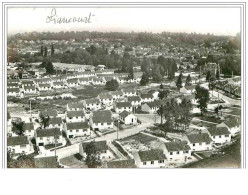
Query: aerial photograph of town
{"points": [[122, 88]]}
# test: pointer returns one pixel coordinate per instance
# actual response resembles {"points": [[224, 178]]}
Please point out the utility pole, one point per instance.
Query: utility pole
{"points": [[55, 142], [118, 128], [30, 111]]}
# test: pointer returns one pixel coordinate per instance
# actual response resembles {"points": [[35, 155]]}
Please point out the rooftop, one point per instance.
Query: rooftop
{"points": [[48, 132], [121, 164], [19, 140], [77, 125], [218, 131], [151, 155], [102, 116], [199, 138], [177, 146]]}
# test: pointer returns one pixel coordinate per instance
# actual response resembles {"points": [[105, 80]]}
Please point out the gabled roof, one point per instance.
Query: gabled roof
{"points": [[14, 80], [27, 82], [19, 140], [45, 85], [92, 101], [49, 113], [72, 80], [134, 99], [129, 91], [102, 116], [122, 164], [17, 90], [232, 122], [48, 132], [199, 138], [76, 113], [54, 121], [105, 96], [116, 92], [151, 155], [155, 104], [177, 146], [13, 84], [77, 125], [100, 145], [42, 80], [58, 83], [76, 105], [124, 114], [146, 95], [28, 126], [29, 87], [83, 79], [218, 131], [123, 104]]}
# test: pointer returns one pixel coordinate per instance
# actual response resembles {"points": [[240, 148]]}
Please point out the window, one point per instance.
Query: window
{"points": [[220, 136], [185, 152], [171, 153], [152, 162], [161, 161], [213, 136], [144, 163], [193, 144], [207, 143], [102, 124], [226, 135], [200, 144], [85, 130], [22, 146], [41, 138], [109, 123], [70, 130], [77, 130]]}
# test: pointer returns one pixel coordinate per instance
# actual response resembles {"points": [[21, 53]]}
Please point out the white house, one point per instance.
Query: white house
{"points": [[106, 98], [83, 81], [28, 129], [19, 144], [151, 107], [219, 134], [128, 118], [92, 104], [55, 122], [121, 106], [75, 116], [117, 95], [77, 129], [45, 87], [233, 125], [27, 83], [29, 90], [101, 120], [102, 149], [59, 85], [12, 85], [98, 81], [146, 98], [72, 82], [48, 136], [199, 142], [150, 159], [135, 101], [43, 81], [14, 92], [129, 92], [176, 152]]}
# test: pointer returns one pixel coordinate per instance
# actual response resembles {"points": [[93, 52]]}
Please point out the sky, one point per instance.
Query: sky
{"points": [[219, 21]]}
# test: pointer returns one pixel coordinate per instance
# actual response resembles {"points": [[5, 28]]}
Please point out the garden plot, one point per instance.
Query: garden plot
{"points": [[137, 142]]}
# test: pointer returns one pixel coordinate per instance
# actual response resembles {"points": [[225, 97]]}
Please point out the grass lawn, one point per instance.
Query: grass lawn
{"points": [[231, 159], [88, 92]]}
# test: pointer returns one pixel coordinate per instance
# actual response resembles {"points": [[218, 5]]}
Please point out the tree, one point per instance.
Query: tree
{"points": [[161, 86], [157, 77], [163, 94], [112, 85], [49, 68], [45, 52], [186, 107], [44, 121], [160, 112], [130, 75], [41, 51], [52, 50], [188, 80], [179, 81], [202, 96], [144, 79], [92, 155], [217, 75], [18, 128], [208, 76]]}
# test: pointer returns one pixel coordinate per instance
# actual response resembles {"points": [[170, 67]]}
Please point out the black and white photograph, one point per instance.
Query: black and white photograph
{"points": [[130, 86]]}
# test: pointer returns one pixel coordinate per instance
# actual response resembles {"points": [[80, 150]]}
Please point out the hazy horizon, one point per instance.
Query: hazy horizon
{"points": [[217, 21]]}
